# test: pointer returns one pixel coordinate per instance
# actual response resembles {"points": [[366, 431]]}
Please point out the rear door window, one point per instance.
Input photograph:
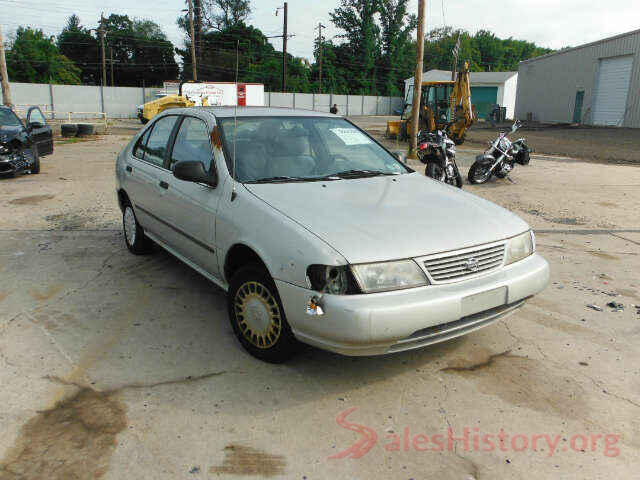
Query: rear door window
{"points": [[156, 147]]}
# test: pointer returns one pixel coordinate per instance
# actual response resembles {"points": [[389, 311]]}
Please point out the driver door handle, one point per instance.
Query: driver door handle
{"points": [[164, 185]]}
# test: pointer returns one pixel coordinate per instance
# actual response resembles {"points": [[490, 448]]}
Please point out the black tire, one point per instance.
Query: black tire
{"points": [[277, 343], [435, 171], [85, 129], [135, 239], [475, 176], [458, 181], [34, 161], [525, 158], [68, 129]]}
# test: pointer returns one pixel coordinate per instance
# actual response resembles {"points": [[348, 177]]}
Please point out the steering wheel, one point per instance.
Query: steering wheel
{"points": [[331, 163]]}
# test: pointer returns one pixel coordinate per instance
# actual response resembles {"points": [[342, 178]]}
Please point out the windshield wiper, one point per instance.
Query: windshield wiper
{"points": [[279, 179], [359, 173]]}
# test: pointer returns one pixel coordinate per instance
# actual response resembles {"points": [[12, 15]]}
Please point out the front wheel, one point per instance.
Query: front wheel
{"points": [[479, 173], [34, 159], [257, 316], [435, 171]]}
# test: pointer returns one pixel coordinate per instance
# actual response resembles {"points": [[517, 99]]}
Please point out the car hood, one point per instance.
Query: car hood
{"points": [[8, 133], [390, 217]]}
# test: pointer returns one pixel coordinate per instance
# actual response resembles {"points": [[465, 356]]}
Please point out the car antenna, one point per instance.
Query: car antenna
{"points": [[235, 129]]}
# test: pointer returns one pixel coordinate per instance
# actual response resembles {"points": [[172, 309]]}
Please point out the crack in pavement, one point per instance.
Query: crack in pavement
{"points": [[186, 380]]}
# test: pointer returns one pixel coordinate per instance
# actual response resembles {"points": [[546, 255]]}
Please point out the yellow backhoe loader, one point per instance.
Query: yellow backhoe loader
{"points": [[444, 105], [150, 109]]}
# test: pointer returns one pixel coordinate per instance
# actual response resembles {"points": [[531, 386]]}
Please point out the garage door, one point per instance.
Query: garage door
{"points": [[612, 88], [483, 98]]}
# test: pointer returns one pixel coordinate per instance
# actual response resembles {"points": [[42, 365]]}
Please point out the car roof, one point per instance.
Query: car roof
{"points": [[225, 112]]}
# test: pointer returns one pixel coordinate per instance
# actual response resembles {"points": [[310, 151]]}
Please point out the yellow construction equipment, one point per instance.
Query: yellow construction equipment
{"points": [[150, 109], [444, 105]]}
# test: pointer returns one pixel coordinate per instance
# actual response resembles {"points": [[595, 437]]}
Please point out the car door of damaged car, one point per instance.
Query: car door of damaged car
{"points": [[191, 207]]}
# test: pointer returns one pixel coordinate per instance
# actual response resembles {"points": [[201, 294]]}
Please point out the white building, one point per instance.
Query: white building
{"points": [[487, 89], [597, 84]]}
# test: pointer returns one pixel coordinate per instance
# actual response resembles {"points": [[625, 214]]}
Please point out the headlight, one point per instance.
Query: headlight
{"points": [[520, 247], [330, 279], [379, 277]]}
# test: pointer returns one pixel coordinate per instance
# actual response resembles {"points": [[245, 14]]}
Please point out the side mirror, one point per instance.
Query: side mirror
{"points": [[400, 155], [191, 171], [34, 125]]}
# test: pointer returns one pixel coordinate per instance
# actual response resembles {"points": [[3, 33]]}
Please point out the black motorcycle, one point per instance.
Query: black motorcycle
{"points": [[438, 152], [500, 158]]}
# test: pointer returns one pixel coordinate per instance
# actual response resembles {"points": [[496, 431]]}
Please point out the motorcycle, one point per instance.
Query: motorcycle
{"points": [[438, 152], [500, 157]]}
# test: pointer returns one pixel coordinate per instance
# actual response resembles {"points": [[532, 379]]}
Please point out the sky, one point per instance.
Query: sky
{"points": [[549, 23]]}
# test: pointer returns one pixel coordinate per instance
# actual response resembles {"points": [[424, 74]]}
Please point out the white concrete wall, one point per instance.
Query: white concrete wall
{"points": [[122, 102]]}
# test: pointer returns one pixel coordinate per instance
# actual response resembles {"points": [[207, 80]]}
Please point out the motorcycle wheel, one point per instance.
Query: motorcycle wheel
{"points": [[524, 160], [435, 171], [479, 173], [458, 179]]}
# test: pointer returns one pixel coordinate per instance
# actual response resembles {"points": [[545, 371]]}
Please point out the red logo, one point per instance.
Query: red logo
{"points": [[362, 446]]}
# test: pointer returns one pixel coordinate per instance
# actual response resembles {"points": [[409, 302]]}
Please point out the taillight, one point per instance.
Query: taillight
{"points": [[423, 146]]}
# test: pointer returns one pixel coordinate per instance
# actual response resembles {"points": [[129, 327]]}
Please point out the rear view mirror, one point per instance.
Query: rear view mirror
{"points": [[191, 171]]}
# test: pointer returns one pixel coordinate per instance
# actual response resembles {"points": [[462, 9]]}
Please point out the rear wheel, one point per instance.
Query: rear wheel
{"points": [[137, 242], [257, 316], [479, 173]]}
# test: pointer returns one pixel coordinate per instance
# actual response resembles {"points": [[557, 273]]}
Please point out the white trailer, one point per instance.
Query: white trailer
{"points": [[224, 93]]}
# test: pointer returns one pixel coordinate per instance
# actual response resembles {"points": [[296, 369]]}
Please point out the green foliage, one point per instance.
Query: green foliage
{"points": [[34, 58], [76, 43], [484, 51], [141, 51]]}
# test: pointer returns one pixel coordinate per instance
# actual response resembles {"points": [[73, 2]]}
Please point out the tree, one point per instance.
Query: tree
{"points": [[362, 35], [141, 51], [77, 44], [223, 14], [398, 51], [34, 58]]}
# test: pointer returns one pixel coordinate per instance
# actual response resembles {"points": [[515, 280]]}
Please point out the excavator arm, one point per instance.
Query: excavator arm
{"points": [[462, 111]]}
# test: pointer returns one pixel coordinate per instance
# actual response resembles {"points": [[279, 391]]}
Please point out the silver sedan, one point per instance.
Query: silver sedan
{"points": [[310, 226]]}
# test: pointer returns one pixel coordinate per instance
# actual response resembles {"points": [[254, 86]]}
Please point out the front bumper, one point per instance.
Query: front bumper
{"points": [[10, 167], [375, 324]]}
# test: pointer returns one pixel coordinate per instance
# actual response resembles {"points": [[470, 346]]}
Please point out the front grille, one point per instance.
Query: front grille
{"points": [[456, 266]]}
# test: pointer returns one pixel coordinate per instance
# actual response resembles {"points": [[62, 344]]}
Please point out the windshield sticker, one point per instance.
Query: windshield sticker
{"points": [[351, 136]]}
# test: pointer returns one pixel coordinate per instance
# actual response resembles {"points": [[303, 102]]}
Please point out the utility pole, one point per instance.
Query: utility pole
{"points": [[284, 50], [111, 64], [320, 47], [417, 81], [193, 42], [104, 61], [6, 90], [197, 28]]}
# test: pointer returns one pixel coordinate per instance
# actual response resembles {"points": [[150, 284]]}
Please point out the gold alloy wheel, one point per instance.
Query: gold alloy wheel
{"points": [[257, 314]]}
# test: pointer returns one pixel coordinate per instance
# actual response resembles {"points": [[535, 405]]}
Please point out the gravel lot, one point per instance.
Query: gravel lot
{"points": [[114, 366]]}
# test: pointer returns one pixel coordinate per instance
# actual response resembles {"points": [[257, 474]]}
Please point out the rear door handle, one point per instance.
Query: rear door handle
{"points": [[128, 168], [164, 185]]}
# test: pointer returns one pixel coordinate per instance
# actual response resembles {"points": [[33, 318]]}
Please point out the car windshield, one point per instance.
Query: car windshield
{"points": [[8, 118], [285, 149]]}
